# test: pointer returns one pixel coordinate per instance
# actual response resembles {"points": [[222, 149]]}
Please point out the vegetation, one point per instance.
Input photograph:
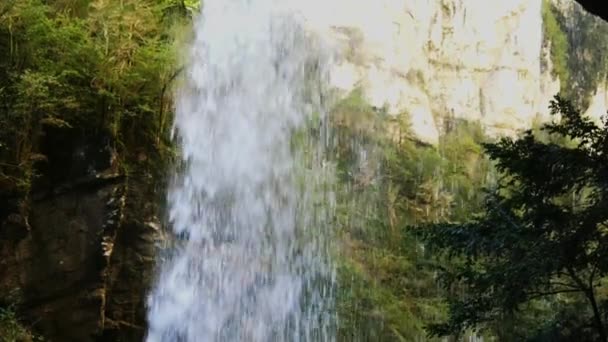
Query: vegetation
{"points": [[577, 51], [388, 292], [76, 73], [520, 260], [533, 261], [13, 330], [557, 41], [490, 262], [84, 68]]}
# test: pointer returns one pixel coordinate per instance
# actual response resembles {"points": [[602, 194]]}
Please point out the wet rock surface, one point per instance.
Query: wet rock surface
{"points": [[79, 264]]}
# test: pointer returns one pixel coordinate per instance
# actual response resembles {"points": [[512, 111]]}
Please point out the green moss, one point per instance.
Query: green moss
{"points": [[555, 35]]}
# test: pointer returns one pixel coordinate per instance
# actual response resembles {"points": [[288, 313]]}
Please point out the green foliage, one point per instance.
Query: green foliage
{"points": [[85, 66], [85, 70], [388, 181], [555, 36], [539, 246], [578, 48], [12, 330], [384, 297], [193, 5]]}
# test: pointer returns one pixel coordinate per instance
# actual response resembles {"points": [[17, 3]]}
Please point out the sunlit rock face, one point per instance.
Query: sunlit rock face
{"points": [[598, 103], [441, 59]]}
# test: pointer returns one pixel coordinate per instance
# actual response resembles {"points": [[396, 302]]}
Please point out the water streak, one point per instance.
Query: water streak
{"points": [[247, 209]]}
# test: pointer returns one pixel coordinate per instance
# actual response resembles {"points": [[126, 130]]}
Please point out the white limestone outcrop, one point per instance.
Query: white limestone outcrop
{"points": [[437, 59]]}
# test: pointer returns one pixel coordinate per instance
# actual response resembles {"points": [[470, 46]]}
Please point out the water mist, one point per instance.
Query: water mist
{"points": [[248, 206]]}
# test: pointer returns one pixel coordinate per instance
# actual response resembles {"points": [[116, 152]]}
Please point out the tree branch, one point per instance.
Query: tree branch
{"points": [[571, 286], [535, 295]]}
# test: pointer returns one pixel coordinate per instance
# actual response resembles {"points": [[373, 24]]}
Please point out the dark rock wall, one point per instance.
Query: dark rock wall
{"points": [[78, 265], [131, 265]]}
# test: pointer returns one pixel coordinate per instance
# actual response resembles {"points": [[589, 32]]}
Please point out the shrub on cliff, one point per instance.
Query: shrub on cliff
{"points": [[84, 67], [388, 180], [556, 40]]}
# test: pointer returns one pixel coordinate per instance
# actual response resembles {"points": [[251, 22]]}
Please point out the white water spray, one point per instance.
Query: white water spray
{"points": [[251, 261]]}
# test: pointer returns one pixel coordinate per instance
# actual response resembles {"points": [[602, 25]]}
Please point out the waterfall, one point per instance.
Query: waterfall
{"points": [[248, 207]]}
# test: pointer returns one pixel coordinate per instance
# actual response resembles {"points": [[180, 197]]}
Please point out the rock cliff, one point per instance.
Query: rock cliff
{"points": [[434, 60], [78, 265]]}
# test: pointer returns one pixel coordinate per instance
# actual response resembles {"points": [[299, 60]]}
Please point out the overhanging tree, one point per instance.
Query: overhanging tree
{"points": [[543, 233]]}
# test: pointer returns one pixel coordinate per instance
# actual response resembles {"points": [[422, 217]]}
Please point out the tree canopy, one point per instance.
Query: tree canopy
{"points": [[541, 239], [85, 68]]}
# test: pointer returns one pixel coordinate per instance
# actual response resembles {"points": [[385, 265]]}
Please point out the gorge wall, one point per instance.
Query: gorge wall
{"points": [[79, 264], [478, 60]]}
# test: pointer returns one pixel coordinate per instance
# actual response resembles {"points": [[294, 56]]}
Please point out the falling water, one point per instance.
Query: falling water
{"points": [[247, 207]]}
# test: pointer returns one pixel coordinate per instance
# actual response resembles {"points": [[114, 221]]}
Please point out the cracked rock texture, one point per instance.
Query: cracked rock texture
{"points": [[78, 266]]}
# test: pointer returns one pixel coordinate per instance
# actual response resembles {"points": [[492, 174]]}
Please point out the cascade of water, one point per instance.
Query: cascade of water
{"points": [[251, 262]]}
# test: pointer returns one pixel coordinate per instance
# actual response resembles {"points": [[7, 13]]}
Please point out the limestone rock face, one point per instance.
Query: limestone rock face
{"points": [[438, 59], [598, 103]]}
